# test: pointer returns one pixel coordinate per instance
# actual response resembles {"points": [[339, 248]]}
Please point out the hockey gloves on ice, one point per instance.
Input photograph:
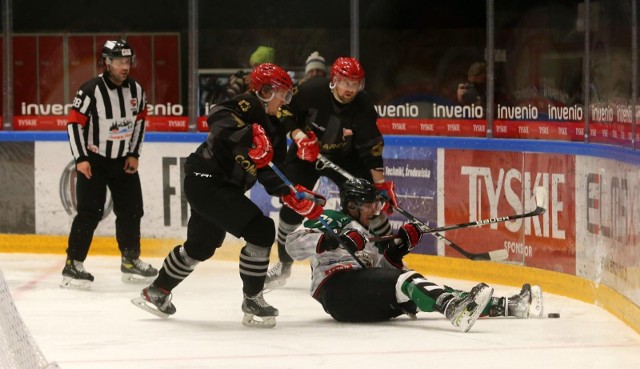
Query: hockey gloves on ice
{"points": [[351, 239], [310, 206], [308, 147], [262, 152], [387, 190]]}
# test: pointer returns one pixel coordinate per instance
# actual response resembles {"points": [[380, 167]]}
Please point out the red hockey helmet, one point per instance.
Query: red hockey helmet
{"points": [[348, 74], [267, 74], [347, 68]]}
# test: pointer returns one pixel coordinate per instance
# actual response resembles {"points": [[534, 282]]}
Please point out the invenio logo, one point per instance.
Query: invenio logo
{"points": [[68, 191]]}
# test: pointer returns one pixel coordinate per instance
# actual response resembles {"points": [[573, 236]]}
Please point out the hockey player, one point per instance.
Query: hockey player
{"points": [[106, 131], [386, 289], [242, 142], [336, 118]]}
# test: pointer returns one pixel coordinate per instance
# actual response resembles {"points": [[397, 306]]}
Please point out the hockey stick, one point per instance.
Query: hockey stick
{"points": [[323, 162], [299, 194], [335, 236], [491, 255], [302, 195], [541, 200], [495, 255]]}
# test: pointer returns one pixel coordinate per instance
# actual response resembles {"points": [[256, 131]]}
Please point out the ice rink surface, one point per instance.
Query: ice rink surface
{"points": [[101, 329]]}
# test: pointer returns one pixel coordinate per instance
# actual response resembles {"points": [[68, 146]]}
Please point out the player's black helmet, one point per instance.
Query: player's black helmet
{"points": [[358, 190], [117, 49]]}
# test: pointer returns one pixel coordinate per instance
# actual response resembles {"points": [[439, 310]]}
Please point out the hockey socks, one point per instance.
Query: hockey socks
{"points": [[176, 267], [413, 286], [254, 262], [284, 229]]}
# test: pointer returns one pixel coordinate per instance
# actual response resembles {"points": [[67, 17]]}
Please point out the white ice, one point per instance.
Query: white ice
{"points": [[101, 329]]}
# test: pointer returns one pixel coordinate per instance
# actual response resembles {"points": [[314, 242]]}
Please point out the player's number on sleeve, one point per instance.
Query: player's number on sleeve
{"points": [[77, 103]]}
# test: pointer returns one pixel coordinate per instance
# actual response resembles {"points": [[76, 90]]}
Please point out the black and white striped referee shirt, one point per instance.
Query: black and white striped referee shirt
{"points": [[107, 119]]}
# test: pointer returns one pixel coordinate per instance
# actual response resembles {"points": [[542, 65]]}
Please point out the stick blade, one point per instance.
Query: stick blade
{"points": [[498, 255], [495, 255], [542, 196]]}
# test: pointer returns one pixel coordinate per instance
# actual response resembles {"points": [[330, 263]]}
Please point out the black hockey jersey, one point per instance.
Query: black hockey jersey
{"points": [[345, 131], [224, 154]]}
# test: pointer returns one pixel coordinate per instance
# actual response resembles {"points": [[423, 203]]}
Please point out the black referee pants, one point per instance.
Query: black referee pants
{"points": [[91, 195]]}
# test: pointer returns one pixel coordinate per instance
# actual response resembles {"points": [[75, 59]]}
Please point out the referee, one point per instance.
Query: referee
{"points": [[106, 129]]}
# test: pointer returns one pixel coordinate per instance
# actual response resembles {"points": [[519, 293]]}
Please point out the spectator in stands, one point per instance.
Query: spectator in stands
{"points": [[263, 54], [239, 81], [473, 90], [315, 66], [215, 89]]}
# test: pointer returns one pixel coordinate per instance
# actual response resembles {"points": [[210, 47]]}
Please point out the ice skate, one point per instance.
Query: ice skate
{"points": [[156, 301], [75, 276], [527, 303], [536, 306], [256, 306], [137, 271], [277, 276], [464, 311]]}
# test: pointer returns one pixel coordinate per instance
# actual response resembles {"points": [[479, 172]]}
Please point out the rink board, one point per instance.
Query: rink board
{"points": [[589, 230]]}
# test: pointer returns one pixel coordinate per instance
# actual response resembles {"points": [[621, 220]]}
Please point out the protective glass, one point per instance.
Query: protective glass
{"points": [[284, 95], [370, 207]]}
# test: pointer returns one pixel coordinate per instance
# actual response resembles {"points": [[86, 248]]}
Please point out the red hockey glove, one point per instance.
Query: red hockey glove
{"points": [[387, 190], [306, 207], [308, 147], [326, 243], [410, 235], [353, 239], [262, 152]]}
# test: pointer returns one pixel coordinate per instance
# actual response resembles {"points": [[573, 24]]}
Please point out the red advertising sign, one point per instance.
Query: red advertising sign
{"points": [[59, 123], [433, 127], [615, 133], [482, 184], [202, 124], [169, 118], [529, 129], [40, 123], [167, 124]]}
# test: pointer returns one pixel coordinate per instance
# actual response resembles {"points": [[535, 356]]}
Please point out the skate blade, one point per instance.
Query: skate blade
{"points": [[148, 307], [272, 285], [253, 321], [75, 284], [130, 278], [466, 320], [536, 309]]}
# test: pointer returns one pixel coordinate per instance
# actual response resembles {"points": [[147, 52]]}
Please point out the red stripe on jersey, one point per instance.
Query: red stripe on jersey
{"points": [[77, 117], [142, 114]]}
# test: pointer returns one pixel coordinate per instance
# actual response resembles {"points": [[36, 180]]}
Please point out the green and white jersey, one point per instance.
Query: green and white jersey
{"points": [[303, 244]]}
